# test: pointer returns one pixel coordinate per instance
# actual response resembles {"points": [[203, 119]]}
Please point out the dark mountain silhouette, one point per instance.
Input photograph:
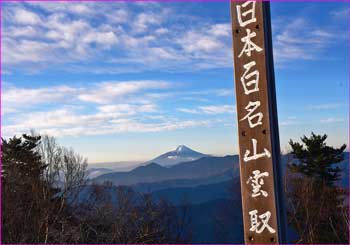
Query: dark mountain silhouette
{"points": [[217, 221], [177, 196], [201, 193], [176, 183], [201, 168], [181, 154]]}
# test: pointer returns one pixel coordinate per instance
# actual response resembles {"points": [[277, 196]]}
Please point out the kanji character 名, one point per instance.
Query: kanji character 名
{"points": [[251, 107]]}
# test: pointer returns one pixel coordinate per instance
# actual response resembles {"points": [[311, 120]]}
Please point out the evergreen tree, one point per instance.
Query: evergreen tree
{"points": [[316, 204], [316, 159], [22, 188], [21, 159]]}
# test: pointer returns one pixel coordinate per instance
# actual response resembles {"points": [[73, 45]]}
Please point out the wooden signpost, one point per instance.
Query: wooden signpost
{"points": [[262, 193]]}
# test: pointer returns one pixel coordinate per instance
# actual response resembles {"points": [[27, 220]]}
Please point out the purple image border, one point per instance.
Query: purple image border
{"points": [[75, 1]]}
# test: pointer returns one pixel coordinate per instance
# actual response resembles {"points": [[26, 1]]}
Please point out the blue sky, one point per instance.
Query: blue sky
{"points": [[129, 81]]}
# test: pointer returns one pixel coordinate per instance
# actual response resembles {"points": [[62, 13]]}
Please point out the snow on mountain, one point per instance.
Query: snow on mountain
{"points": [[181, 154]]}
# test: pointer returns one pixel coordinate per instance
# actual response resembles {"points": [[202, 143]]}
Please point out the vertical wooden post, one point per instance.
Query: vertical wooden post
{"points": [[261, 186]]}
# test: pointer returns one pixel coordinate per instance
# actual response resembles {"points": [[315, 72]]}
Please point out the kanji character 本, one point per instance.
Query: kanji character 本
{"points": [[257, 181], [255, 224], [255, 156], [251, 107], [254, 82], [249, 46], [250, 11]]}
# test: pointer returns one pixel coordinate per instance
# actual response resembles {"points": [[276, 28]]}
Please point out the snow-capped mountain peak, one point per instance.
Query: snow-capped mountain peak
{"points": [[182, 148], [181, 154]]}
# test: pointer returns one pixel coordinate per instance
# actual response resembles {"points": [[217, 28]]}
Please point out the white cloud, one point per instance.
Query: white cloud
{"points": [[67, 30], [161, 31], [127, 108], [194, 41], [217, 109], [111, 107], [26, 17], [293, 40], [26, 31], [325, 106], [68, 117], [332, 120], [64, 122], [137, 37], [80, 9], [211, 110], [288, 121], [225, 92], [14, 98], [21, 99], [109, 91], [7, 110], [55, 37], [187, 110], [221, 30], [341, 13], [110, 34], [65, 7], [56, 118], [24, 51], [104, 38], [144, 20], [119, 16]]}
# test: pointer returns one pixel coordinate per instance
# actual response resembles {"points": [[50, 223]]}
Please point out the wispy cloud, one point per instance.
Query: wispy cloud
{"points": [[332, 120], [340, 13], [20, 99], [287, 123], [325, 106], [63, 122], [210, 109], [131, 37], [291, 120], [25, 17], [107, 107], [146, 20], [110, 91], [120, 37], [15, 99], [294, 40]]}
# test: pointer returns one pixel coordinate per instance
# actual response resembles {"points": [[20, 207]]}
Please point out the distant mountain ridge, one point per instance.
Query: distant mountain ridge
{"points": [[95, 172], [178, 183], [153, 172], [181, 154], [209, 187], [201, 193]]}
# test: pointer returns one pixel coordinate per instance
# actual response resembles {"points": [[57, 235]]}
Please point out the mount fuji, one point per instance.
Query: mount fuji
{"points": [[181, 154]]}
